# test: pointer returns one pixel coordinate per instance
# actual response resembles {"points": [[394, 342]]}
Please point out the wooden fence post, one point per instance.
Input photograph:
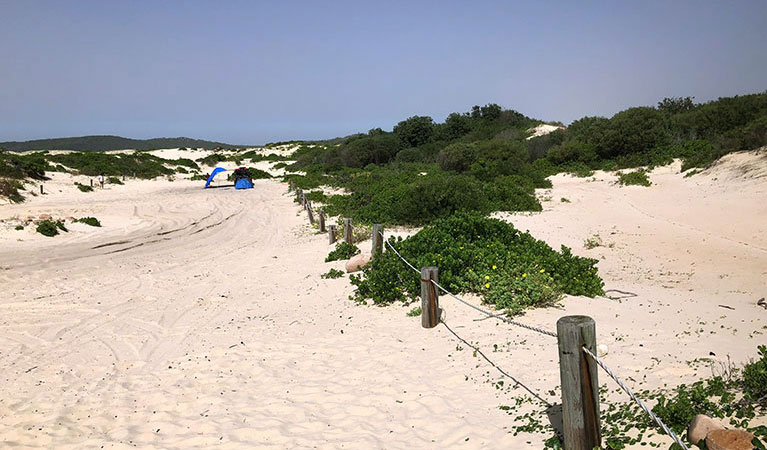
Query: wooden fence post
{"points": [[429, 297], [580, 387], [298, 195], [309, 211], [41, 190], [331, 234], [91, 182], [291, 186], [348, 232], [377, 239], [322, 220]]}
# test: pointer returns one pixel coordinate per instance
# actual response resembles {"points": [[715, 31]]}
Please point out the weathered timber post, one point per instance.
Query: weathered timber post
{"points": [[91, 182], [123, 177], [322, 221], [377, 239], [298, 195], [580, 387], [309, 211], [41, 190], [348, 233], [331, 234], [303, 199], [429, 297], [291, 186]]}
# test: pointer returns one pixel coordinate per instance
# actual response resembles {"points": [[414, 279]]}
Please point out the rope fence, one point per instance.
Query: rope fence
{"points": [[588, 352], [580, 390]]}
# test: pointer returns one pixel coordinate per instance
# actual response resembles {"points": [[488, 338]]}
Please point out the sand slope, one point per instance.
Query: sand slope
{"points": [[197, 317]]}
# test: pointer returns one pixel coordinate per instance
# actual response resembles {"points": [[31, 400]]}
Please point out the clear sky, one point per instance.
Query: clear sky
{"points": [[249, 72]]}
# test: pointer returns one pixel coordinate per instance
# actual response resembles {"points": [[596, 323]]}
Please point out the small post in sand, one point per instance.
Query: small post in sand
{"points": [[580, 387], [322, 220], [291, 186], [377, 239], [429, 297], [331, 234], [41, 190], [298, 195], [91, 182], [348, 231], [309, 211]]}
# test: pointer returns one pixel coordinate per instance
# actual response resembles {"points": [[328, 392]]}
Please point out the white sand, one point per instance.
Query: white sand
{"points": [[543, 129], [198, 317]]}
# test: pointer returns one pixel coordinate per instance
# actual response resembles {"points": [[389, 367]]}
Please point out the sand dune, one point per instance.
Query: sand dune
{"points": [[197, 317]]}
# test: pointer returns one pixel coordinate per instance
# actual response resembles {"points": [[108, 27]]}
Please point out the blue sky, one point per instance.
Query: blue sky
{"points": [[248, 72]]}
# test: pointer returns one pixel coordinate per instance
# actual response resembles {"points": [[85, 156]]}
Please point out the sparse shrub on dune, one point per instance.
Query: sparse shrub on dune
{"points": [[114, 180], [636, 178], [84, 187], [92, 221], [50, 228], [332, 273]]}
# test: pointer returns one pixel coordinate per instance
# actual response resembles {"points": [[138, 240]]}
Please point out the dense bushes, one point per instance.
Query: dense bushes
{"points": [[755, 377], [138, 164], [10, 190], [19, 167], [477, 254], [418, 194]]}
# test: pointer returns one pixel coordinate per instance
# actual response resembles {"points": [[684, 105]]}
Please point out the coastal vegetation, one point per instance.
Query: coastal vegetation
{"points": [[481, 255], [487, 159]]}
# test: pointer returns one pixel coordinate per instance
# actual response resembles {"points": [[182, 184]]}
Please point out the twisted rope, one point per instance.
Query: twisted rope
{"points": [[638, 402]]}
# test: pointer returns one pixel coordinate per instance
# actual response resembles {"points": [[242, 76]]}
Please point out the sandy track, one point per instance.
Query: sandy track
{"points": [[206, 322]]}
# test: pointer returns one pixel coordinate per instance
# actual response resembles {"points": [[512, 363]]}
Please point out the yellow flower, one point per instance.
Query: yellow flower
{"points": [[487, 277], [494, 267], [487, 285], [524, 275], [543, 270], [460, 248]]}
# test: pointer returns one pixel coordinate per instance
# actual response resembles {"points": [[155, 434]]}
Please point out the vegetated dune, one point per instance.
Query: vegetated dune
{"points": [[195, 317]]}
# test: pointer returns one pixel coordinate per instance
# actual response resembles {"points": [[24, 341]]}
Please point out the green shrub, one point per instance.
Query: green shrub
{"points": [[20, 166], [415, 312], [50, 228], [92, 221], [637, 178], [481, 255], [316, 196], [19, 227], [755, 376], [138, 164], [332, 273], [83, 187], [343, 250], [114, 180], [212, 159]]}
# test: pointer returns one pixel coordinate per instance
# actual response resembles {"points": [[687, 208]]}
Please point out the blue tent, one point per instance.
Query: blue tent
{"points": [[243, 183], [216, 171]]}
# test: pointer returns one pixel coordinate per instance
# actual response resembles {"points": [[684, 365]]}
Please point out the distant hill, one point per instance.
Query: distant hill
{"points": [[103, 143]]}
